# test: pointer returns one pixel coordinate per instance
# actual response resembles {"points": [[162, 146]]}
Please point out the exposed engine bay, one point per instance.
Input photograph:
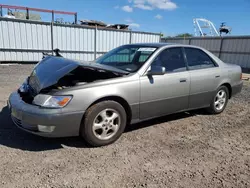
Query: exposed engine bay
{"points": [[45, 81], [85, 75]]}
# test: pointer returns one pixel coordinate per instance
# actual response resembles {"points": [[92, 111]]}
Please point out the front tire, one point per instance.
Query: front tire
{"points": [[104, 123], [219, 101]]}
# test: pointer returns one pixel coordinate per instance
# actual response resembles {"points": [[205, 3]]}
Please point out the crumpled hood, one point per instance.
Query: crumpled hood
{"points": [[48, 71]]}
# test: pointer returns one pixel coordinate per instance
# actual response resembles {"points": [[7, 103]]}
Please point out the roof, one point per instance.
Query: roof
{"points": [[118, 26], [157, 45], [93, 22]]}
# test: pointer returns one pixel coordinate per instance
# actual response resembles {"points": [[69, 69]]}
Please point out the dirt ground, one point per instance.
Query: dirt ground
{"points": [[184, 150]]}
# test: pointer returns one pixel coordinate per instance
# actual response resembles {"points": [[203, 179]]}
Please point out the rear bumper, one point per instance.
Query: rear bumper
{"points": [[237, 88], [27, 117]]}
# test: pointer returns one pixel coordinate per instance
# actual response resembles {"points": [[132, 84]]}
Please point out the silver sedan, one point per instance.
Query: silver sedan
{"points": [[129, 84]]}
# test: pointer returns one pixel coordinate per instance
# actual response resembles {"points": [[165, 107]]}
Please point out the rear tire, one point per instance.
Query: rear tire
{"points": [[219, 101], [104, 123]]}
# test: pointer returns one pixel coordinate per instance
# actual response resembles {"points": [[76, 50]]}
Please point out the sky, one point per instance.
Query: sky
{"points": [[170, 17]]}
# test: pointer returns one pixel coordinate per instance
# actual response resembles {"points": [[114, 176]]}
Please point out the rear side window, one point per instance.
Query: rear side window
{"points": [[197, 59], [172, 59]]}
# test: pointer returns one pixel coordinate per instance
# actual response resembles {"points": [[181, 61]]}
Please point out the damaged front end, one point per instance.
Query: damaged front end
{"points": [[57, 73]]}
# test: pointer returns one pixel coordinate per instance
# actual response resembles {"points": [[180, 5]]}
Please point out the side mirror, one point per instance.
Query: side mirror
{"points": [[156, 70]]}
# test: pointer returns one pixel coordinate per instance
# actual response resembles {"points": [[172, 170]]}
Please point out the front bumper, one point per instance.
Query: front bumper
{"points": [[27, 117]]}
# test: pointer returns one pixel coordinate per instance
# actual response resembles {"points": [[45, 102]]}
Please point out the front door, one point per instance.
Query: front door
{"points": [[168, 93]]}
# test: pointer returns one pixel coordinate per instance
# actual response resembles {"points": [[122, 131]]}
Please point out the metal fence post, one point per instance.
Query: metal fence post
{"points": [[1, 11], [221, 45], [53, 16], [95, 40], [130, 37], [189, 41], [52, 36], [75, 18], [27, 14]]}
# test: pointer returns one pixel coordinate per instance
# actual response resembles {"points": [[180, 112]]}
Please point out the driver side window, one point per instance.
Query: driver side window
{"points": [[172, 59]]}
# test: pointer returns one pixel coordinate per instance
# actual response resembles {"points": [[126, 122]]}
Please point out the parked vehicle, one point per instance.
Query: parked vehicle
{"points": [[131, 83]]}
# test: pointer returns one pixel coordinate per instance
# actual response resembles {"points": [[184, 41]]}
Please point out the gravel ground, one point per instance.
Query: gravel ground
{"points": [[183, 150]]}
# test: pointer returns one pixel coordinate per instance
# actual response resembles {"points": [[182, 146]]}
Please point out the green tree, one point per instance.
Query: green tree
{"points": [[184, 35]]}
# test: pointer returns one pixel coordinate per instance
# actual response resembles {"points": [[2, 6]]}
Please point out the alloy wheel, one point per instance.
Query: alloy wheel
{"points": [[220, 100], [106, 124]]}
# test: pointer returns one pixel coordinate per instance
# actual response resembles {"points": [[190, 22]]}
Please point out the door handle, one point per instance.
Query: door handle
{"points": [[217, 76], [183, 80]]}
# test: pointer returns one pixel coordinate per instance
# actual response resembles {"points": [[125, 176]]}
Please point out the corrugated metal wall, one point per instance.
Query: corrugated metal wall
{"points": [[107, 40], [21, 41], [235, 50], [25, 40], [144, 37], [74, 42]]}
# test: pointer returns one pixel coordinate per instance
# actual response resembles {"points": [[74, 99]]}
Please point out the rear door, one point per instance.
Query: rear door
{"points": [[204, 75]]}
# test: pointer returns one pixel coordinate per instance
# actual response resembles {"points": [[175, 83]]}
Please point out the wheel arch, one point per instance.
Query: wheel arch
{"points": [[119, 100], [229, 87]]}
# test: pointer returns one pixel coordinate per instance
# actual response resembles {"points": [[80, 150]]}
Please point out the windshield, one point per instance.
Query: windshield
{"points": [[129, 57]]}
